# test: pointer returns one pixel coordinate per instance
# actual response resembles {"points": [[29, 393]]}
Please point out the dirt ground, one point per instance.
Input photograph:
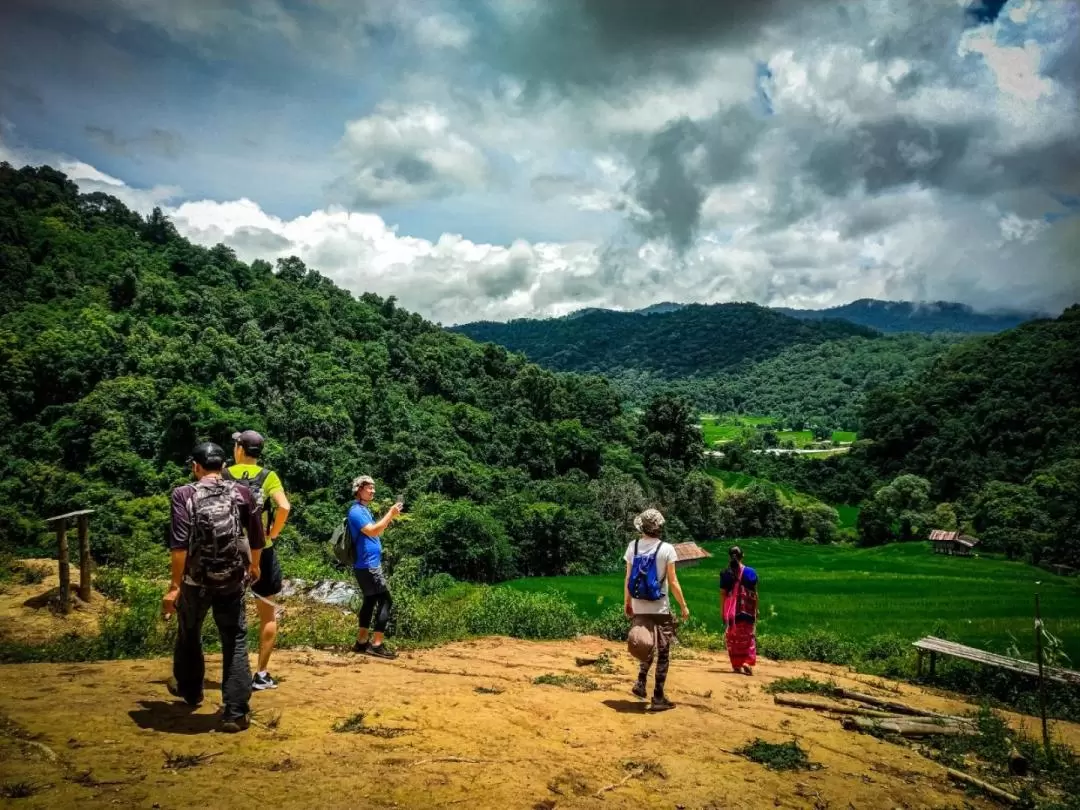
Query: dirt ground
{"points": [[28, 614], [461, 725]]}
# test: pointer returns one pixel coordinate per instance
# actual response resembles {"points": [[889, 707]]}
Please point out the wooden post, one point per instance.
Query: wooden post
{"points": [[1042, 679], [933, 664], [65, 571], [84, 557]]}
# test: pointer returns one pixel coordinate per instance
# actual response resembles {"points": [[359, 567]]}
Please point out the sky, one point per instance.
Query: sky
{"points": [[497, 159]]}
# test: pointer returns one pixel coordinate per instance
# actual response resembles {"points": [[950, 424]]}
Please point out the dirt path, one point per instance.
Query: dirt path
{"points": [[470, 729]]}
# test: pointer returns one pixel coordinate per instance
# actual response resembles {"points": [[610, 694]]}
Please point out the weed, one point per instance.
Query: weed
{"points": [[356, 725], [801, 685], [488, 690], [23, 789], [32, 574], [787, 756], [646, 767], [577, 683], [176, 762]]}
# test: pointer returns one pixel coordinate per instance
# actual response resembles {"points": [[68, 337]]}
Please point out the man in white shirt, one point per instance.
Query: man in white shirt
{"points": [[654, 614]]}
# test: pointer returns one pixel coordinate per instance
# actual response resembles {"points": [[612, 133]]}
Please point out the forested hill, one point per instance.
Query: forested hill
{"points": [[904, 316], [696, 340], [122, 344], [993, 425]]}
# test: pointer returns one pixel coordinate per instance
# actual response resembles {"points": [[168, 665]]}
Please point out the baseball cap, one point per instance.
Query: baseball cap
{"points": [[361, 480], [207, 455], [248, 439]]}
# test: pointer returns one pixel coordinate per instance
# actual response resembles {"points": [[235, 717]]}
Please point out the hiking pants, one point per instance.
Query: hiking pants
{"points": [[663, 626], [189, 666], [377, 601]]}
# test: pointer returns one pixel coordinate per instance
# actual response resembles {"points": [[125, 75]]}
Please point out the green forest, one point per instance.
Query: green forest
{"points": [[123, 344]]}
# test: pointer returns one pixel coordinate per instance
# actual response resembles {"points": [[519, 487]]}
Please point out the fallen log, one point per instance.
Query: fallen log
{"points": [[903, 727], [822, 706], [887, 705], [986, 787]]}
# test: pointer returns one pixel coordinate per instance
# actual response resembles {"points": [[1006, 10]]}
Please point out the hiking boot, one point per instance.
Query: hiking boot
{"points": [[174, 690], [235, 724], [361, 647], [380, 651], [260, 682], [660, 704], [639, 691]]}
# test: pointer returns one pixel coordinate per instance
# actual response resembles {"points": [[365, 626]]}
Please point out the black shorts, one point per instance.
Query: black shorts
{"points": [[269, 583], [372, 582]]}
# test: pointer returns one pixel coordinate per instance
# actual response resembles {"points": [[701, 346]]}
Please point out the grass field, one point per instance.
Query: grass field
{"points": [[859, 593], [740, 480], [727, 427]]}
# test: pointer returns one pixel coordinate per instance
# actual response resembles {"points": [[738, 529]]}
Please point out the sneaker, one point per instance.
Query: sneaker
{"points": [[361, 648], [380, 651], [235, 724], [660, 704], [174, 690], [260, 682], [639, 691]]}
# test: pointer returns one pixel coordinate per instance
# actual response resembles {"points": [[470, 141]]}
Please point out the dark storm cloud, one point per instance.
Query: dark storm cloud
{"points": [[157, 141], [597, 43], [683, 161], [886, 154]]}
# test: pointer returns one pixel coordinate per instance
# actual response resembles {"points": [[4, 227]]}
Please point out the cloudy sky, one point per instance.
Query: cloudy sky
{"points": [[511, 158]]}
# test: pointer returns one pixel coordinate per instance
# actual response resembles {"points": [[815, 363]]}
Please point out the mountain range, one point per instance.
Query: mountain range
{"points": [[928, 317]]}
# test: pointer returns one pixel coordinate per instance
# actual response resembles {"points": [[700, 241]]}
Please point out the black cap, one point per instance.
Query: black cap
{"points": [[249, 440], [208, 455]]}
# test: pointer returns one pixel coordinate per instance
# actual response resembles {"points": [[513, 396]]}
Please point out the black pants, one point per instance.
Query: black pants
{"points": [[377, 601], [189, 666]]}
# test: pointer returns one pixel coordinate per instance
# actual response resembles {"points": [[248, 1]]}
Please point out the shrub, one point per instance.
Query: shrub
{"points": [[507, 612]]}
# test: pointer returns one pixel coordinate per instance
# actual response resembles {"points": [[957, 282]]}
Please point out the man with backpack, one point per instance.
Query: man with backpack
{"points": [[269, 495], [366, 534], [650, 571], [216, 539]]}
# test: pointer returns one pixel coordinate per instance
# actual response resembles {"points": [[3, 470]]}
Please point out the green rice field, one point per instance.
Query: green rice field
{"points": [[728, 427], [902, 589]]}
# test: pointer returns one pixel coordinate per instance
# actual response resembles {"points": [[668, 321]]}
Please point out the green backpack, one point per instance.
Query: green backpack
{"points": [[343, 545]]}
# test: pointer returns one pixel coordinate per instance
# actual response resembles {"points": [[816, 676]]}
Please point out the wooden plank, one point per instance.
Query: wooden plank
{"points": [[937, 645], [70, 515], [65, 572], [84, 557]]}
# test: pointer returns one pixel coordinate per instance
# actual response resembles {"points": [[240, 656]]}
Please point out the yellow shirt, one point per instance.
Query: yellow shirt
{"points": [[271, 485]]}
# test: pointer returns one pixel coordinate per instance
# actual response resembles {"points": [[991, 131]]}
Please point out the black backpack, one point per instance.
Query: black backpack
{"points": [[255, 485], [218, 551]]}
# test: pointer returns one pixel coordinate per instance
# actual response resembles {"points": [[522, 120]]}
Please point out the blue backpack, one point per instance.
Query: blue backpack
{"points": [[644, 583]]}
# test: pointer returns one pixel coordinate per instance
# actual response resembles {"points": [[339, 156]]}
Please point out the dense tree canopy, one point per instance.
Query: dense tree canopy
{"points": [[694, 341], [122, 344]]}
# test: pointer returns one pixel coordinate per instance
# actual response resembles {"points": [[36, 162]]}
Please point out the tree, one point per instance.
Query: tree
{"points": [[672, 433], [906, 504]]}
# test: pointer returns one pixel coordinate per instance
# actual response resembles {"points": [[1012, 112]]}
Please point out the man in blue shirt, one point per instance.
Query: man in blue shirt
{"points": [[366, 533]]}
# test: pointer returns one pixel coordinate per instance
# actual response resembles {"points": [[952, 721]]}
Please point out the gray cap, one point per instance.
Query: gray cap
{"points": [[248, 439]]}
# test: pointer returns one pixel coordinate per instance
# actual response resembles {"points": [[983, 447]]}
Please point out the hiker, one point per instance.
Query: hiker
{"points": [[738, 605], [269, 494], [216, 539], [650, 572], [366, 533]]}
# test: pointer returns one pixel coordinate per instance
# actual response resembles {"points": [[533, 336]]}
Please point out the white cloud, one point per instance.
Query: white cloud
{"points": [[404, 154]]}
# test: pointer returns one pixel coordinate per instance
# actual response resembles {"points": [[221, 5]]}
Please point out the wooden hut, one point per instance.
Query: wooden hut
{"points": [[953, 543], [689, 554]]}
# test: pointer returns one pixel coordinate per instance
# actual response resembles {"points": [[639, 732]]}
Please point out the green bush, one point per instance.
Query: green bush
{"points": [[612, 624], [508, 612]]}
